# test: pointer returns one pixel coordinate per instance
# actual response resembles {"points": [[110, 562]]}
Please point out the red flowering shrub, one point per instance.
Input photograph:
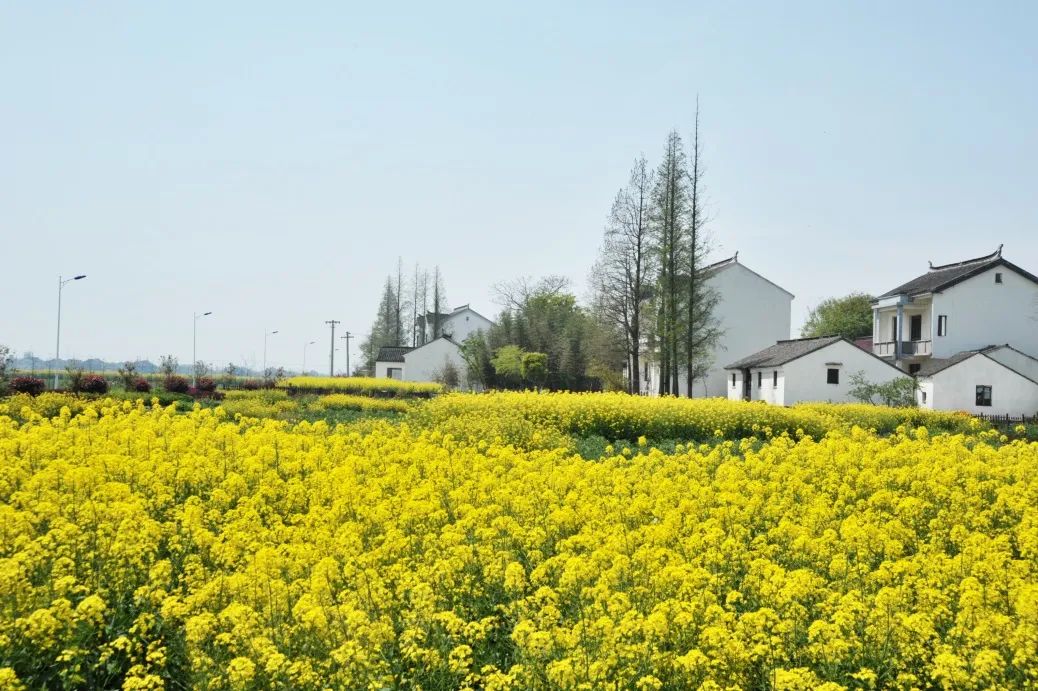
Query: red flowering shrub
{"points": [[252, 384], [93, 383], [141, 385], [30, 385], [177, 384], [205, 384]]}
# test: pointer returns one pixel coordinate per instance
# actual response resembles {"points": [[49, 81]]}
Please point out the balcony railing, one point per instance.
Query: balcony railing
{"points": [[889, 348]]}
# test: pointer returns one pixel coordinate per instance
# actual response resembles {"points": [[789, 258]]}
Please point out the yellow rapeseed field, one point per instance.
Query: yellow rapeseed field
{"points": [[363, 386], [142, 548]]}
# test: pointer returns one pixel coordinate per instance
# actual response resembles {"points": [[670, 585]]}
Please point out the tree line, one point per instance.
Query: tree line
{"points": [[649, 300]]}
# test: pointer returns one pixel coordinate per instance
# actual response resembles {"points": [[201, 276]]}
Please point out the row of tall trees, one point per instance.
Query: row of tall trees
{"points": [[543, 338], [649, 283], [408, 302]]}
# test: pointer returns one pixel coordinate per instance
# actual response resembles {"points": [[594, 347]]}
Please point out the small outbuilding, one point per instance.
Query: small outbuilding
{"points": [[389, 363], [996, 380], [805, 369]]}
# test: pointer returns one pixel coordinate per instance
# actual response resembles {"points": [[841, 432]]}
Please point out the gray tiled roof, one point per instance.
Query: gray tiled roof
{"points": [[940, 277], [935, 365], [392, 353], [783, 352]]}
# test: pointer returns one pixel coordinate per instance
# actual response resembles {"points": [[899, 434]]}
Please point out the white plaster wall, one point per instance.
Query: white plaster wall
{"points": [[956, 388], [463, 324], [769, 391], [382, 368], [982, 312], [422, 364], [925, 385], [753, 314], [1021, 362], [806, 377]]}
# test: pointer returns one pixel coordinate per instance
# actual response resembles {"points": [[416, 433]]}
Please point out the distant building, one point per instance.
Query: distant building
{"points": [[436, 352], [752, 313], [458, 324]]}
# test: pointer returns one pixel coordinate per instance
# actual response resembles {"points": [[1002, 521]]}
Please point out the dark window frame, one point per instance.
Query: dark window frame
{"points": [[733, 378], [774, 378], [832, 375], [998, 277], [942, 325], [983, 396], [760, 378]]}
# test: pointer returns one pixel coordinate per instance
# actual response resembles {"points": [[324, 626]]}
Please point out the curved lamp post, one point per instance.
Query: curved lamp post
{"points": [[57, 344]]}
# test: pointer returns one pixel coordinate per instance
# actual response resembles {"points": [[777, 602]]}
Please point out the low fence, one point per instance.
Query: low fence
{"points": [[1009, 420]]}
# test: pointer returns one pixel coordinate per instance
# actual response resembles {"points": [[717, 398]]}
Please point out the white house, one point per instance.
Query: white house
{"points": [[752, 313], [997, 380], [434, 353], [806, 369], [956, 308], [458, 324], [389, 363]]}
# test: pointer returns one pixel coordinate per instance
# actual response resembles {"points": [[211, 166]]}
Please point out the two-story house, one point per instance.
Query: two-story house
{"points": [[752, 313], [933, 326], [439, 347], [458, 324]]}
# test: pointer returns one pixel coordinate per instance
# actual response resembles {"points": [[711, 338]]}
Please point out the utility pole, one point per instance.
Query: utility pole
{"points": [[348, 336], [331, 354]]}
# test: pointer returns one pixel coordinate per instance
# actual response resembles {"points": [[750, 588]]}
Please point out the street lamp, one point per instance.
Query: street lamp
{"points": [[194, 347], [305, 346], [265, 335], [57, 344]]}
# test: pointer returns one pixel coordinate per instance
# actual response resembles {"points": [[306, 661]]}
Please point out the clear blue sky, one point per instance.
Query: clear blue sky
{"points": [[270, 162]]}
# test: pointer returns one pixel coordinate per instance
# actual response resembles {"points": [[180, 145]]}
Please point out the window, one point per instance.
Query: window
{"points": [[394, 372], [912, 369], [998, 277], [915, 327], [774, 378], [760, 378], [733, 379], [832, 376], [984, 396], [942, 325], [924, 397]]}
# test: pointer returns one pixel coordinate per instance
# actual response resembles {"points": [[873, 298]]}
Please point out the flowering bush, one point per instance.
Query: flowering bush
{"points": [[92, 383], [141, 385], [142, 547], [364, 386], [341, 401], [175, 383], [31, 385], [205, 384]]}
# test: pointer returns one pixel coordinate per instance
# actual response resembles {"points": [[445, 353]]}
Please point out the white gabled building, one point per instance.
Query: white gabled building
{"points": [[939, 325], [434, 354], [428, 362], [997, 380], [955, 308], [805, 369], [458, 324], [389, 363], [752, 313]]}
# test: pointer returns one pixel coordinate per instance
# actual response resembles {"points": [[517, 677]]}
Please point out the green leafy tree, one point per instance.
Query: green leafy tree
{"points": [[897, 393], [128, 373], [849, 316], [508, 366], [533, 368], [6, 367]]}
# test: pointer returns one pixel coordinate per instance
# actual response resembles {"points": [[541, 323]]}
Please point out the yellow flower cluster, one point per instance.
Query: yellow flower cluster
{"points": [[143, 548], [342, 401], [620, 416], [362, 386]]}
